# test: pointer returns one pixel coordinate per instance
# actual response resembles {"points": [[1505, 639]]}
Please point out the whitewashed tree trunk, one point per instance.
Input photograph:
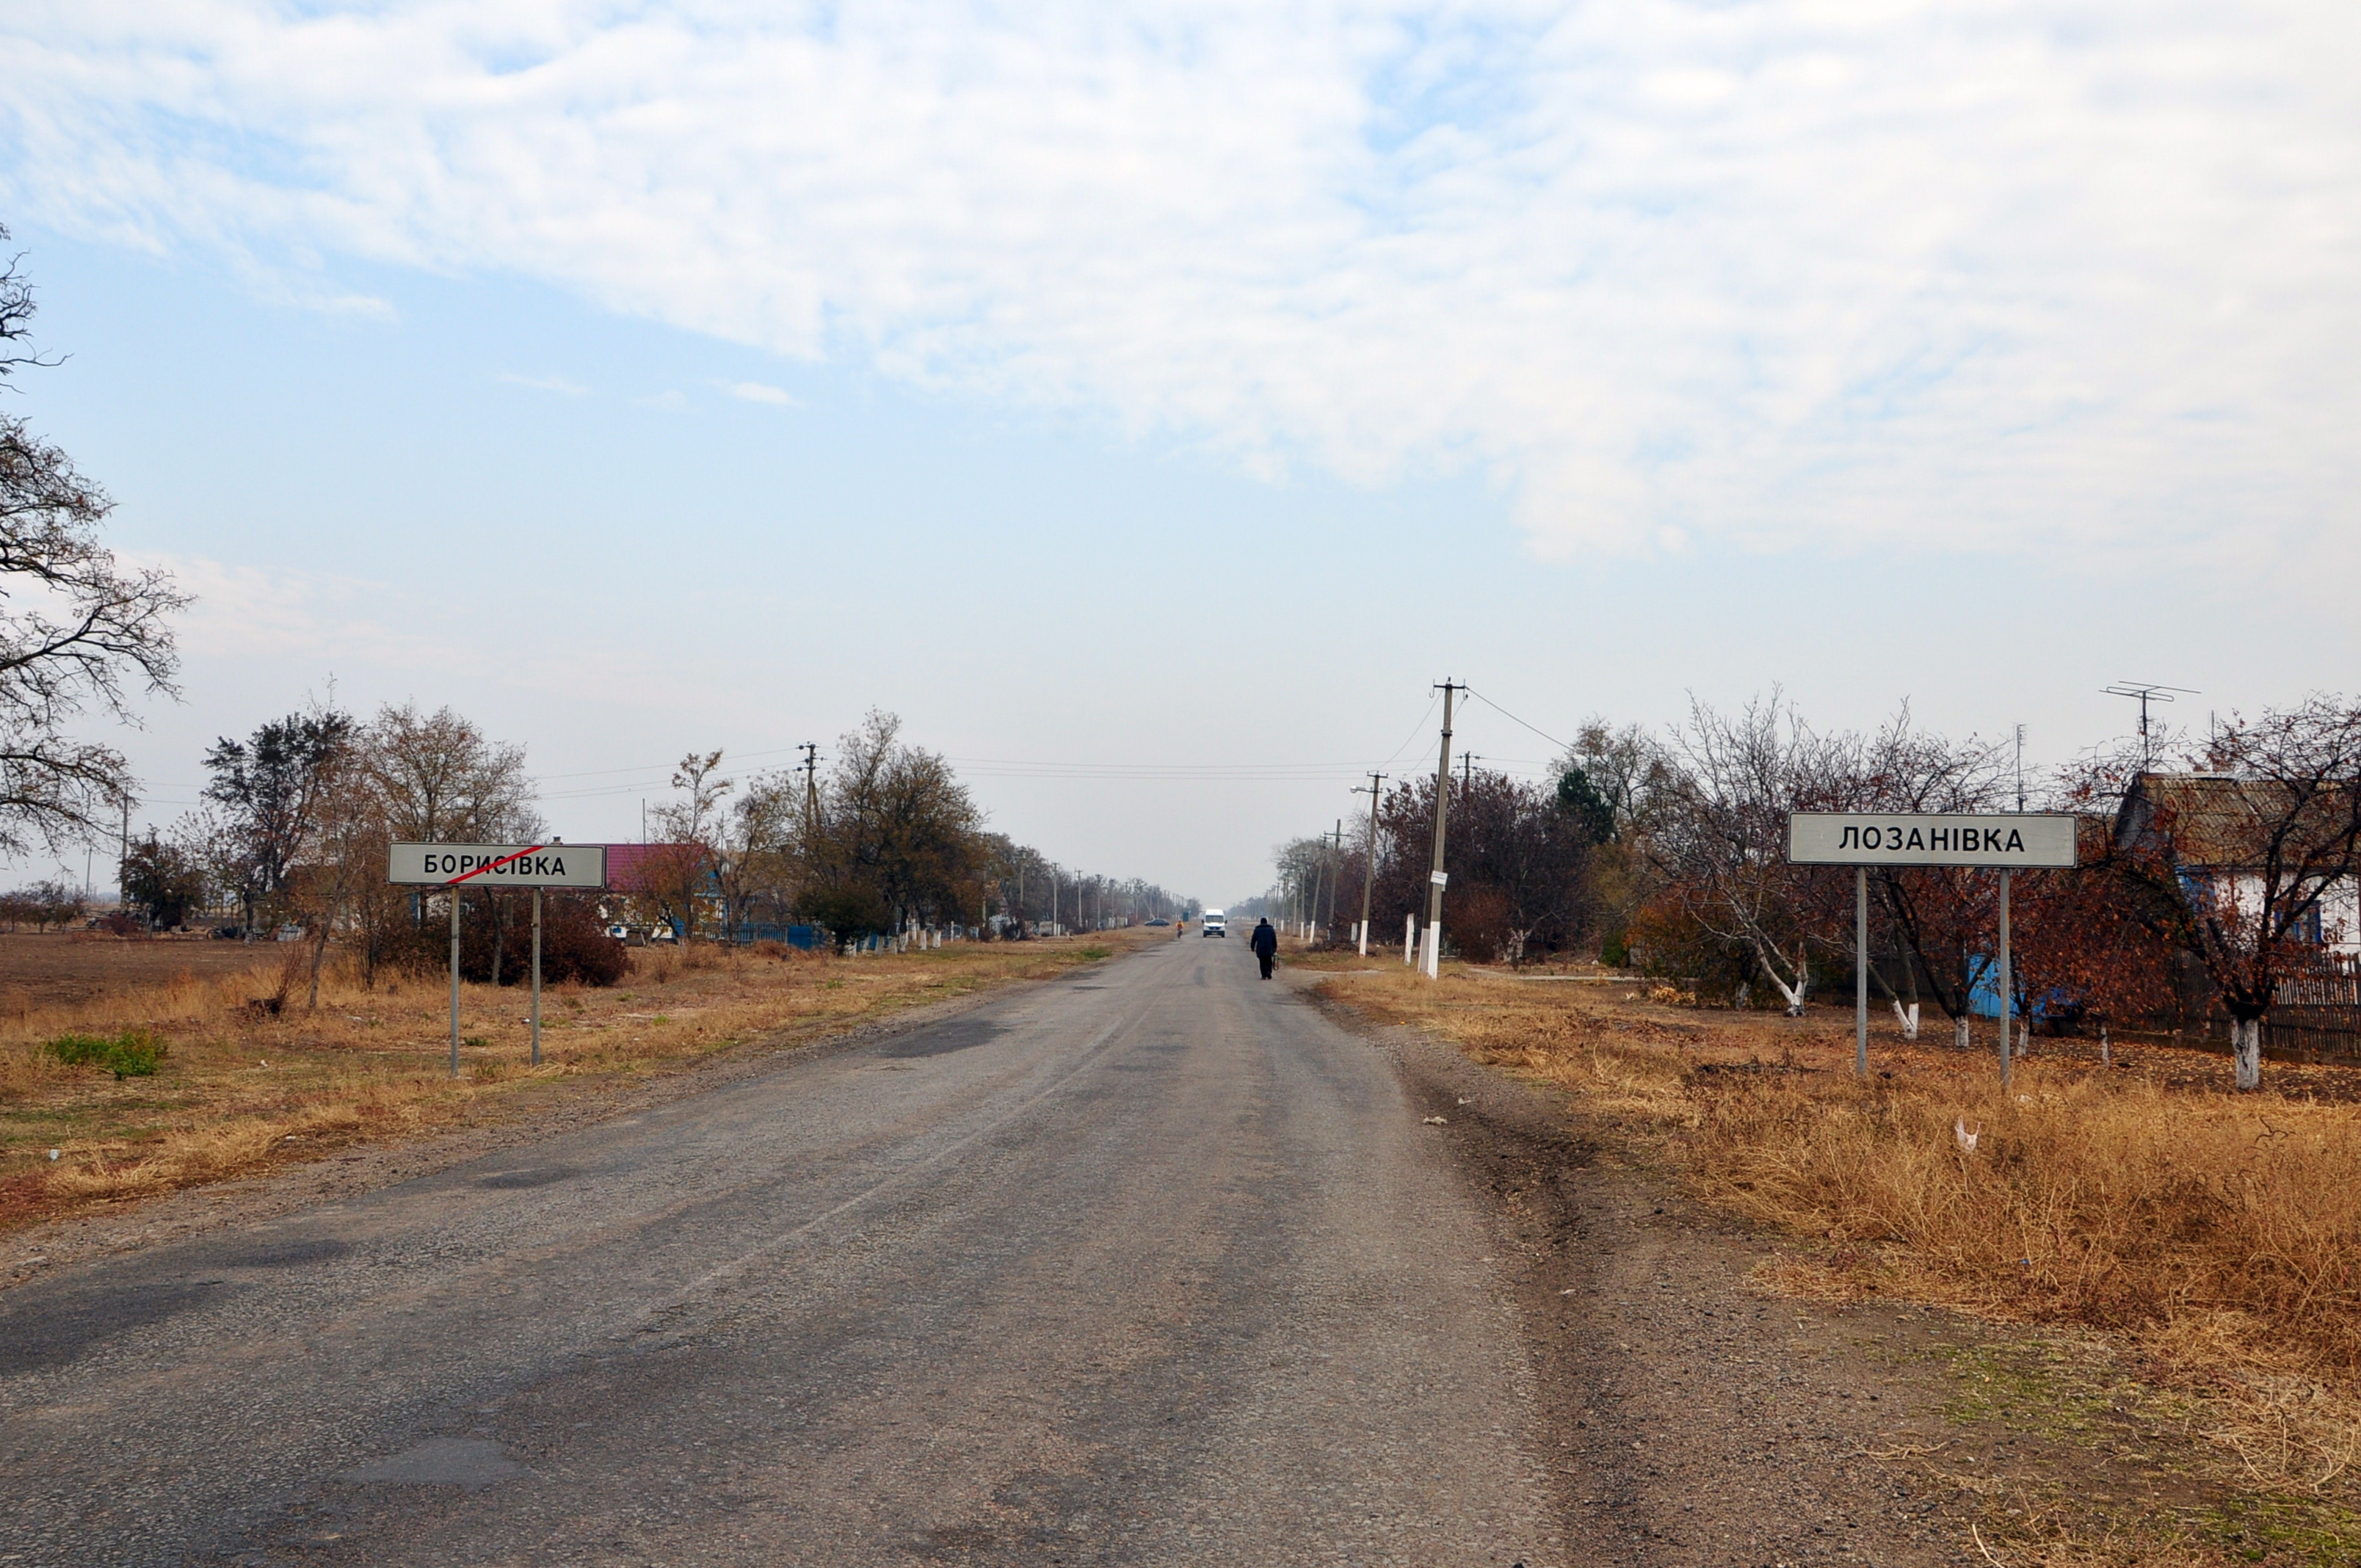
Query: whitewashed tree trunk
{"points": [[1959, 1034], [2024, 1041], [2246, 1049], [2106, 1052], [1907, 1018], [1792, 995]]}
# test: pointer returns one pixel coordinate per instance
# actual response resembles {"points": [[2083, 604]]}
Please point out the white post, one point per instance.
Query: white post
{"points": [[1409, 938], [1361, 935], [537, 977]]}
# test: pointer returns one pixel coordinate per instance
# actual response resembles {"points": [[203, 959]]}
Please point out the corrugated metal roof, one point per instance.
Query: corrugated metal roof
{"points": [[627, 865]]}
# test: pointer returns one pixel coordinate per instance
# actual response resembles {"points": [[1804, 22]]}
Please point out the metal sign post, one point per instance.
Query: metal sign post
{"points": [[537, 976], [1860, 971], [2006, 1027], [536, 866], [1861, 839]]}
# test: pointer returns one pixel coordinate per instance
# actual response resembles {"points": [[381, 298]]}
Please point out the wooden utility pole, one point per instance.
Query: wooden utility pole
{"points": [[1369, 860], [1442, 806]]}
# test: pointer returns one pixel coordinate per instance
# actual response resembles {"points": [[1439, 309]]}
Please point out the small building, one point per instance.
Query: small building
{"points": [[2217, 829]]}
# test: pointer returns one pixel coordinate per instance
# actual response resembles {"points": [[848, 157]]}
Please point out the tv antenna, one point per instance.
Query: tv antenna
{"points": [[2147, 692]]}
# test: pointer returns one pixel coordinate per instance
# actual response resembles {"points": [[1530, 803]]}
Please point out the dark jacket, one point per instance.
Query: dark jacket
{"points": [[1264, 941]]}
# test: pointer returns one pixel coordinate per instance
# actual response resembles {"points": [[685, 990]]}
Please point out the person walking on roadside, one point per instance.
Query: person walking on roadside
{"points": [[1265, 943]]}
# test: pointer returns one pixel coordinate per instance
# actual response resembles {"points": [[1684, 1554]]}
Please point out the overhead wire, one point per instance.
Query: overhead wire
{"points": [[1504, 713]]}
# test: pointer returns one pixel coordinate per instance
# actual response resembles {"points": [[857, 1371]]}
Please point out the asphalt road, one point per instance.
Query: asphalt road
{"points": [[1151, 1265]]}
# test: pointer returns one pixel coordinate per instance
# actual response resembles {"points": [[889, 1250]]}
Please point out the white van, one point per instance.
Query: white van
{"points": [[1213, 924]]}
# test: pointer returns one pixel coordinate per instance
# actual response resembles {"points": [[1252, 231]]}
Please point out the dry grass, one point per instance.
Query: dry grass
{"points": [[240, 1091], [2216, 1238]]}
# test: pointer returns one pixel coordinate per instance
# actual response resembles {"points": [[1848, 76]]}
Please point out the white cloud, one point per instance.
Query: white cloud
{"points": [[303, 620], [756, 392], [557, 384], [2067, 275]]}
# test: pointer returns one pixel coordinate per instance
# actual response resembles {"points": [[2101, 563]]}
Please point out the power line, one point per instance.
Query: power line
{"points": [[1504, 713]]}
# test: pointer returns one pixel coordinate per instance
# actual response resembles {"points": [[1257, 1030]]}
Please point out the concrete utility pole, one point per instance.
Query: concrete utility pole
{"points": [[1370, 862], [1442, 806], [1336, 875], [810, 750]]}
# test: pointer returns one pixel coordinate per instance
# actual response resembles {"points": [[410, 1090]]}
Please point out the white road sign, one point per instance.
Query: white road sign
{"points": [[1875, 838], [500, 865]]}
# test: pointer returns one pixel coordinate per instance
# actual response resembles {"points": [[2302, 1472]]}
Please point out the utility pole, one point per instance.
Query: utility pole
{"points": [[1336, 874], [1319, 875], [1369, 859], [1435, 877], [810, 748], [1467, 770]]}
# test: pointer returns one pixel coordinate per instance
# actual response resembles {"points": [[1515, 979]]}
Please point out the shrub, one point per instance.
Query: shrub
{"points": [[134, 1052], [574, 942]]}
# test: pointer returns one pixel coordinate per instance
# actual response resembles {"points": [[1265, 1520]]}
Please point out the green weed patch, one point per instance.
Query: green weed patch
{"points": [[134, 1052]]}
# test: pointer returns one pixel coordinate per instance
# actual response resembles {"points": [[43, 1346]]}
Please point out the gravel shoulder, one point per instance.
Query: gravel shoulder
{"points": [[1701, 1418]]}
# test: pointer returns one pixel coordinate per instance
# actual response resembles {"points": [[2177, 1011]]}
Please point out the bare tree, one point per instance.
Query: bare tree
{"points": [[2252, 864], [693, 826], [431, 778], [1945, 918], [760, 847], [344, 858], [1720, 839], [441, 780], [77, 627]]}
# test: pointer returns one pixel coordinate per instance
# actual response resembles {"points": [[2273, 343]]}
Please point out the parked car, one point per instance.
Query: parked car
{"points": [[1160, 922]]}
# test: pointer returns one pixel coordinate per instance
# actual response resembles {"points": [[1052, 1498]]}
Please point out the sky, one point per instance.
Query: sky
{"points": [[1150, 402]]}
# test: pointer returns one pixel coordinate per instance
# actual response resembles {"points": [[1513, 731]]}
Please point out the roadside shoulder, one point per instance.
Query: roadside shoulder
{"points": [[1698, 1420]]}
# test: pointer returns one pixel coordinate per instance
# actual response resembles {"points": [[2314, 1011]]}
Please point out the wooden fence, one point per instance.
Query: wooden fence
{"points": [[2317, 1017]]}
